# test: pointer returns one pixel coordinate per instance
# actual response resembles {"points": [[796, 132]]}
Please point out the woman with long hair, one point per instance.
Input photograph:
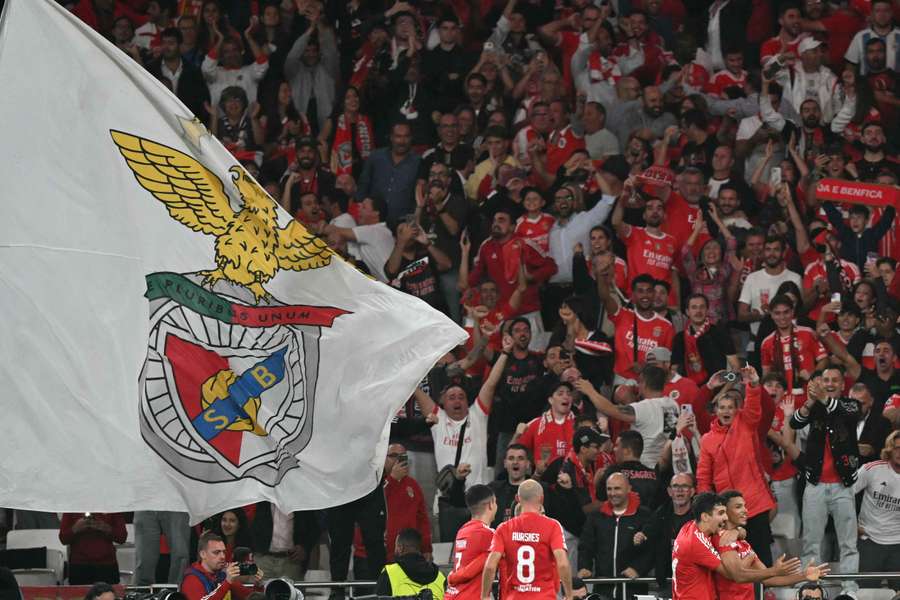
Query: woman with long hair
{"points": [[234, 528], [351, 133]]}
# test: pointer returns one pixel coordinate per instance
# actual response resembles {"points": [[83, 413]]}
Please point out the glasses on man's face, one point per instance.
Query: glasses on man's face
{"points": [[681, 487]]}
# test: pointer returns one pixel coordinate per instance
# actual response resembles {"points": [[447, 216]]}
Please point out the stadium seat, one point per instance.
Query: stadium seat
{"points": [[875, 594], [34, 538], [35, 577], [125, 556], [441, 553]]}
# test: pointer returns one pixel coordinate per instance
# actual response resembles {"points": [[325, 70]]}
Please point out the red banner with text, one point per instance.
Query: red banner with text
{"points": [[855, 192]]}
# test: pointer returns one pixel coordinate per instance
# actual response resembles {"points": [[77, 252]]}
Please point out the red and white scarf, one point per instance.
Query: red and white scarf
{"points": [[342, 149], [601, 68], [693, 362]]}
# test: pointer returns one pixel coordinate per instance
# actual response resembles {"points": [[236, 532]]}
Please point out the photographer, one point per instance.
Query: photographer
{"points": [[211, 578]]}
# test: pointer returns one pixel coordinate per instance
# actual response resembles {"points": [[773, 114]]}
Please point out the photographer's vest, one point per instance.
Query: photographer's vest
{"points": [[209, 585], [402, 585]]}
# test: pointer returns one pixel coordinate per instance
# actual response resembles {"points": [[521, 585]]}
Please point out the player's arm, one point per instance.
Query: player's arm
{"points": [[812, 573], [469, 572], [732, 568], [563, 569], [487, 576], [621, 412]]}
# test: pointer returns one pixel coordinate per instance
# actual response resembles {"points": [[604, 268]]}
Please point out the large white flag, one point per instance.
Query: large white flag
{"points": [[172, 340]]}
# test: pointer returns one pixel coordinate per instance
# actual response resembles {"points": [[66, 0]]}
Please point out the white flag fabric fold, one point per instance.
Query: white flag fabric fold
{"points": [[173, 340]]}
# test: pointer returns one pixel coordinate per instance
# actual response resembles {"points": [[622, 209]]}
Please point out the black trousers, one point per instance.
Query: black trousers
{"points": [[759, 536], [369, 512], [875, 558], [91, 574]]}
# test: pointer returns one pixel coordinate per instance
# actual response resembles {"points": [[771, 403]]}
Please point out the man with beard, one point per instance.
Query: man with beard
{"points": [[683, 208], [808, 79], [883, 381], [391, 173], [569, 229], [760, 286], [829, 465], [182, 78], [645, 116], [306, 176], [415, 265], [441, 213], [650, 251], [882, 80], [371, 241], [872, 429], [788, 38], [499, 259], [729, 199], [596, 71], [643, 480], [881, 28], [517, 465], [874, 158], [518, 395], [811, 134]]}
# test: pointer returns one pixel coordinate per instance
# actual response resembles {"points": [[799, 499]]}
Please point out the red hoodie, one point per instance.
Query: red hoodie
{"points": [[729, 457]]}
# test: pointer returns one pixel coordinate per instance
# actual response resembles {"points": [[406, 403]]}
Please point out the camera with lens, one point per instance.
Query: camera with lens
{"points": [[731, 377], [166, 593], [244, 558]]}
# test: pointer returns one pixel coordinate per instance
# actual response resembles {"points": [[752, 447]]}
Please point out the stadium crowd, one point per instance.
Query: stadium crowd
{"points": [[629, 206]]}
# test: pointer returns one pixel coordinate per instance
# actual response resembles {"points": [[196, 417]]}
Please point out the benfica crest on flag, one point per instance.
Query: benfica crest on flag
{"points": [[174, 341]]}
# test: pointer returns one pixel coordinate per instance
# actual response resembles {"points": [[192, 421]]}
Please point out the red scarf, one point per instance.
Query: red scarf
{"points": [[584, 478], [792, 355], [341, 149], [693, 363], [362, 65]]}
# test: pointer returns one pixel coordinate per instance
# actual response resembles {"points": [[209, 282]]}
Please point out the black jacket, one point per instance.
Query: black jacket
{"points": [[661, 532], [874, 432], [416, 568], [856, 248], [191, 88], [838, 419], [306, 529], [606, 546]]}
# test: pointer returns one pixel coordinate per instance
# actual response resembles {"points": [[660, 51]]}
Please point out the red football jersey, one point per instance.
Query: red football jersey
{"points": [[816, 270], [652, 332], [527, 543], [548, 440], [470, 551], [694, 559], [725, 79], [649, 254], [727, 588], [772, 47], [536, 232], [807, 348]]}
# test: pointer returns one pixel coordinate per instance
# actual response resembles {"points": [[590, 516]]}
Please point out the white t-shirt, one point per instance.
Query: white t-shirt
{"points": [[654, 419], [474, 452], [761, 286], [374, 246], [879, 514]]}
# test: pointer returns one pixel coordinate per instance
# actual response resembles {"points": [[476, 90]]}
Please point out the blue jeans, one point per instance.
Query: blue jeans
{"points": [[833, 499], [148, 525]]}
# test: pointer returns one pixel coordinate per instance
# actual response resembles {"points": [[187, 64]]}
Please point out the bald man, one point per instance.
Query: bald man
{"points": [[533, 550], [606, 547]]}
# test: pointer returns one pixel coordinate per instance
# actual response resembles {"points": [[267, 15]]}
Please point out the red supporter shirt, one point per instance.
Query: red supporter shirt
{"points": [[470, 552], [620, 274], [807, 348], [682, 390], [694, 559], [548, 440], [726, 588], [772, 47], [652, 332], [725, 79], [526, 544], [536, 231], [786, 470], [499, 261], [651, 255], [829, 473], [560, 147], [680, 218], [816, 270], [568, 44]]}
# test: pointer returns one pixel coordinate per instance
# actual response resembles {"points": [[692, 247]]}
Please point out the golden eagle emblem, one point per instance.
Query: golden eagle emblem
{"points": [[250, 247]]}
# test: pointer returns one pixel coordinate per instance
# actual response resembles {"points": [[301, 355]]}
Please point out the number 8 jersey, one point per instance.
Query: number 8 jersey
{"points": [[528, 568]]}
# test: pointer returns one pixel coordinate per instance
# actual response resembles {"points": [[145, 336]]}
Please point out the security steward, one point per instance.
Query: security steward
{"points": [[412, 572]]}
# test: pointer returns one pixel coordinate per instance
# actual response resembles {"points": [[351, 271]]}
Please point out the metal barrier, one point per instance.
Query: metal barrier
{"points": [[623, 581]]}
